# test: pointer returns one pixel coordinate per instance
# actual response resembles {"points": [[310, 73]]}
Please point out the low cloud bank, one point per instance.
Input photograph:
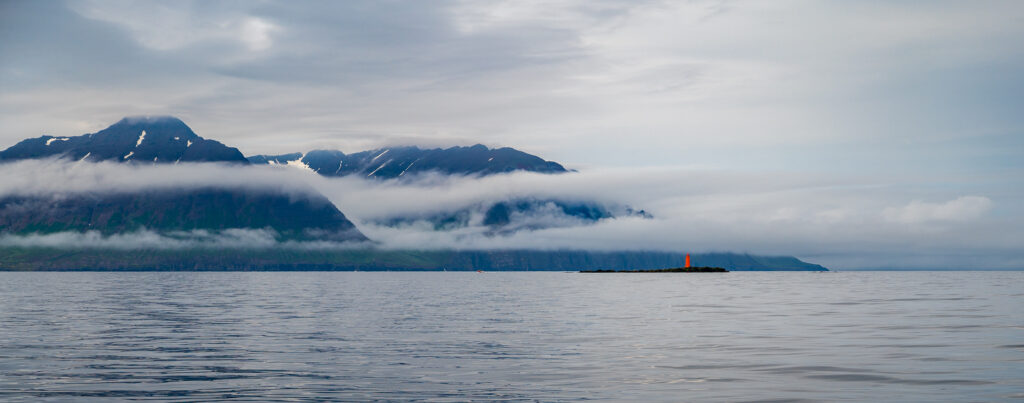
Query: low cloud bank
{"points": [[961, 209], [849, 222], [843, 222], [37, 177], [232, 238]]}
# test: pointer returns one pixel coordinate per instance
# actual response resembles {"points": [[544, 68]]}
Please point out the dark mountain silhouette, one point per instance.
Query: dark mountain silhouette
{"points": [[394, 162], [289, 217], [145, 139]]}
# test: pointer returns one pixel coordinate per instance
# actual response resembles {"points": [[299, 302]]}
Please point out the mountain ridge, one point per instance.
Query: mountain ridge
{"points": [[138, 139], [395, 162]]}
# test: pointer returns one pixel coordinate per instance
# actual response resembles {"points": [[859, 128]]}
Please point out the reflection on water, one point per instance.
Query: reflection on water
{"points": [[917, 336]]}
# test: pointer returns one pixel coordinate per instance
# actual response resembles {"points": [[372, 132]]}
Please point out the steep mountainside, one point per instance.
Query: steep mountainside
{"points": [[291, 217], [387, 163], [145, 139]]}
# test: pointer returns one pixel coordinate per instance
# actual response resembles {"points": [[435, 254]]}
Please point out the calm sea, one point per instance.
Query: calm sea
{"points": [[315, 336]]}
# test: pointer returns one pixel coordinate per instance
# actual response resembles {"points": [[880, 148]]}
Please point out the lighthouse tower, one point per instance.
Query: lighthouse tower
{"points": [[687, 260]]}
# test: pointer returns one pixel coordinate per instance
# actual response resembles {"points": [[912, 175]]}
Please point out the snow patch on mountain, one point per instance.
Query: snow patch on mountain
{"points": [[297, 163]]}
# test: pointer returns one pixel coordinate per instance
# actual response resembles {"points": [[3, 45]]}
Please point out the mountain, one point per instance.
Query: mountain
{"points": [[160, 140], [288, 216], [394, 162], [145, 139]]}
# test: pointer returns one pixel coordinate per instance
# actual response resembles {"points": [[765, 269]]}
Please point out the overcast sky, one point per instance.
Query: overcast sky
{"points": [[910, 112]]}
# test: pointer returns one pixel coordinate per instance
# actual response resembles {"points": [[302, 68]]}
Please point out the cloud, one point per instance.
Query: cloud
{"points": [[841, 222], [256, 33], [169, 27], [37, 177], [964, 208], [230, 238], [712, 83]]}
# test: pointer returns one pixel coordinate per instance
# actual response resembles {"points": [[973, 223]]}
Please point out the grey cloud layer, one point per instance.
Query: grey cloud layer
{"points": [[783, 84]]}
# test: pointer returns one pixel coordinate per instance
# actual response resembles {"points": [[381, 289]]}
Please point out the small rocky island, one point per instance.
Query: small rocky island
{"points": [[675, 270]]}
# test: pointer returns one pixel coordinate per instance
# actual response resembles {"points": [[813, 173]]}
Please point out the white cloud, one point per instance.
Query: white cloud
{"points": [[144, 239], [255, 33], [230, 238], [58, 176], [961, 209], [167, 26]]}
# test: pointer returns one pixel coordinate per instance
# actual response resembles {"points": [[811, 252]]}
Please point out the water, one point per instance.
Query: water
{"points": [[855, 336]]}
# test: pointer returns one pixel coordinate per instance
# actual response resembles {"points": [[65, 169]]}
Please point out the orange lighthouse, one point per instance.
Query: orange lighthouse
{"points": [[687, 260]]}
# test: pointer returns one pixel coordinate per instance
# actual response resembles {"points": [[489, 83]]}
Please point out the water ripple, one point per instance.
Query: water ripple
{"points": [[770, 337]]}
